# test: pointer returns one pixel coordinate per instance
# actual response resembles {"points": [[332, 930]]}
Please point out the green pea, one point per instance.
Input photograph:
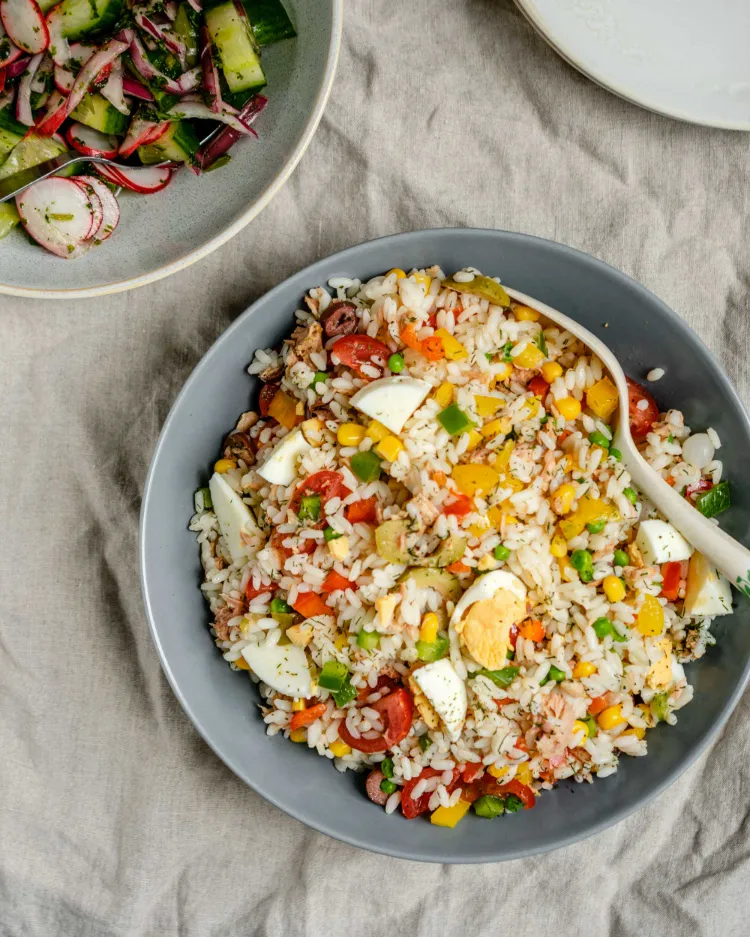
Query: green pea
{"points": [[602, 627], [621, 558], [388, 787], [318, 378], [631, 494], [616, 454], [386, 766], [396, 363], [596, 527], [501, 552], [599, 439]]}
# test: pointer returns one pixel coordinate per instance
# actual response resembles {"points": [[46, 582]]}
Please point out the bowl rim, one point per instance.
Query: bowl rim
{"points": [[341, 258], [271, 190], [529, 9]]}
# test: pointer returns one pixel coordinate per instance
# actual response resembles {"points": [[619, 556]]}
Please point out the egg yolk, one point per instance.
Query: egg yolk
{"points": [[485, 629]]}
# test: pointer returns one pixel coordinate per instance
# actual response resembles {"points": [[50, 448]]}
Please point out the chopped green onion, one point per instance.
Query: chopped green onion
{"points": [[489, 807], [432, 650], [715, 500], [388, 787], [330, 534], [396, 363], [599, 439], [541, 343], [596, 527], [631, 494], [454, 420], [333, 675], [309, 508], [60, 217], [203, 500], [616, 454], [621, 558], [368, 640], [424, 742], [501, 552], [386, 766], [489, 355], [513, 804], [318, 378], [502, 678], [345, 695], [366, 466], [582, 561], [280, 607]]}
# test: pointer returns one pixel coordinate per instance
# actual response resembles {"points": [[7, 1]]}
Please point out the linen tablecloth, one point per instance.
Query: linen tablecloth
{"points": [[115, 818]]}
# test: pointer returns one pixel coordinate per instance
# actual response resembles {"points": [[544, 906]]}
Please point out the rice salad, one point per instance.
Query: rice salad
{"points": [[424, 549]]}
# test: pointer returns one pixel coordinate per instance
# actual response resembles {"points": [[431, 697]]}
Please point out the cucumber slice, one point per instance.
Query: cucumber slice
{"points": [[96, 111], [179, 145], [186, 27], [31, 151], [238, 53], [11, 133], [269, 21], [81, 18], [8, 218]]}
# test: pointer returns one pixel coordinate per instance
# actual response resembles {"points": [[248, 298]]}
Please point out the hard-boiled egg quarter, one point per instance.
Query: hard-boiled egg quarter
{"points": [[391, 400], [446, 693], [283, 667], [485, 614], [280, 468], [233, 515]]}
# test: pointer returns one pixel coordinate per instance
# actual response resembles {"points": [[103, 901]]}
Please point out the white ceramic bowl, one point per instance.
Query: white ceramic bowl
{"points": [[686, 59], [160, 234]]}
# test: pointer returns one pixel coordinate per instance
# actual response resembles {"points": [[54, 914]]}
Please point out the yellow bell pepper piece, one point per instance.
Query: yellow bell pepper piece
{"points": [[224, 465], [444, 394], [298, 705], [551, 370], [588, 511], [496, 427], [526, 314], [450, 816], [480, 528], [473, 479], [530, 357], [532, 405], [650, 619], [284, 409], [564, 564], [475, 438], [497, 772], [389, 448], [510, 481], [502, 460], [429, 629], [454, 350], [340, 642], [339, 748], [638, 733], [241, 664], [488, 406], [562, 499], [603, 398], [377, 432]]}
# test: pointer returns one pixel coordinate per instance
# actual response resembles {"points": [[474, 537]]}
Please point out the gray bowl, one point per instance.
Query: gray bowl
{"points": [[644, 333], [162, 233]]}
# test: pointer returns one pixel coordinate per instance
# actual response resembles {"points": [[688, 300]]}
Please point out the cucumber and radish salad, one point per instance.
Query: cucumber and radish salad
{"points": [[141, 83]]}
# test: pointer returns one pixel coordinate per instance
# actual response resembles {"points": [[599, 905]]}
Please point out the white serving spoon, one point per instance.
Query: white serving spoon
{"points": [[721, 550]]}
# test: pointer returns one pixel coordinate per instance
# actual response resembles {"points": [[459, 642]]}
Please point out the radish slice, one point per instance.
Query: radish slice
{"points": [[110, 208], [25, 24], [196, 109], [141, 132], [63, 79], [196, 5], [54, 116], [23, 98], [8, 51], [2, 80], [18, 66], [58, 214], [91, 142], [58, 44], [190, 80], [170, 8], [113, 89], [146, 181], [135, 89], [162, 34], [111, 50], [97, 217], [148, 70]]}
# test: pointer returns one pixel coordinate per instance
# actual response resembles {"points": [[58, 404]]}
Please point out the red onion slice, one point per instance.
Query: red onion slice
{"points": [[23, 97], [135, 89], [211, 86], [109, 52], [141, 132], [18, 66], [113, 90], [227, 137], [53, 117]]}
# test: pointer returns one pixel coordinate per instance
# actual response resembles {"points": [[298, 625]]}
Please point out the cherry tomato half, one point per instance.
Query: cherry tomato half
{"points": [[412, 808], [252, 592], [396, 711], [355, 350], [641, 421], [325, 483]]}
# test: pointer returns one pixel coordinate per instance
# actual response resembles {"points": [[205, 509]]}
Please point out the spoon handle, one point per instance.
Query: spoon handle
{"points": [[722, 551]]}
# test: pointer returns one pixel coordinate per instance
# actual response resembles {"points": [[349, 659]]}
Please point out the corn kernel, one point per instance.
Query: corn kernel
{"points": [[614, 588], [496, 427], [376, 431], [495, 516], [562, 499], [497, 772], [241, 664], [525, 314], [503, 372], [298, 735], [611, 717], [580, 728], [389, 448], [298, 705], [530, 357], [584, 668], [224, 465], [350, 434], [428, 631], [569, 408], [449, 816], [488, 406], [400, 274], [523, 773], [444, 394], [650, 619], [559, 546], [423, 279], [638, 733], [339, 748], [475, 438], [339, 548], [551, 370], [454, 350], [340, 641]]}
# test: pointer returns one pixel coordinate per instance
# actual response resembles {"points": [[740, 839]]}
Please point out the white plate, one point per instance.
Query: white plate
{"points": [[688, 59]]}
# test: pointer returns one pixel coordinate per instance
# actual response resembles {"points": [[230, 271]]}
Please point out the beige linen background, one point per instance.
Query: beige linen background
{"points": [[116, 820]]}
